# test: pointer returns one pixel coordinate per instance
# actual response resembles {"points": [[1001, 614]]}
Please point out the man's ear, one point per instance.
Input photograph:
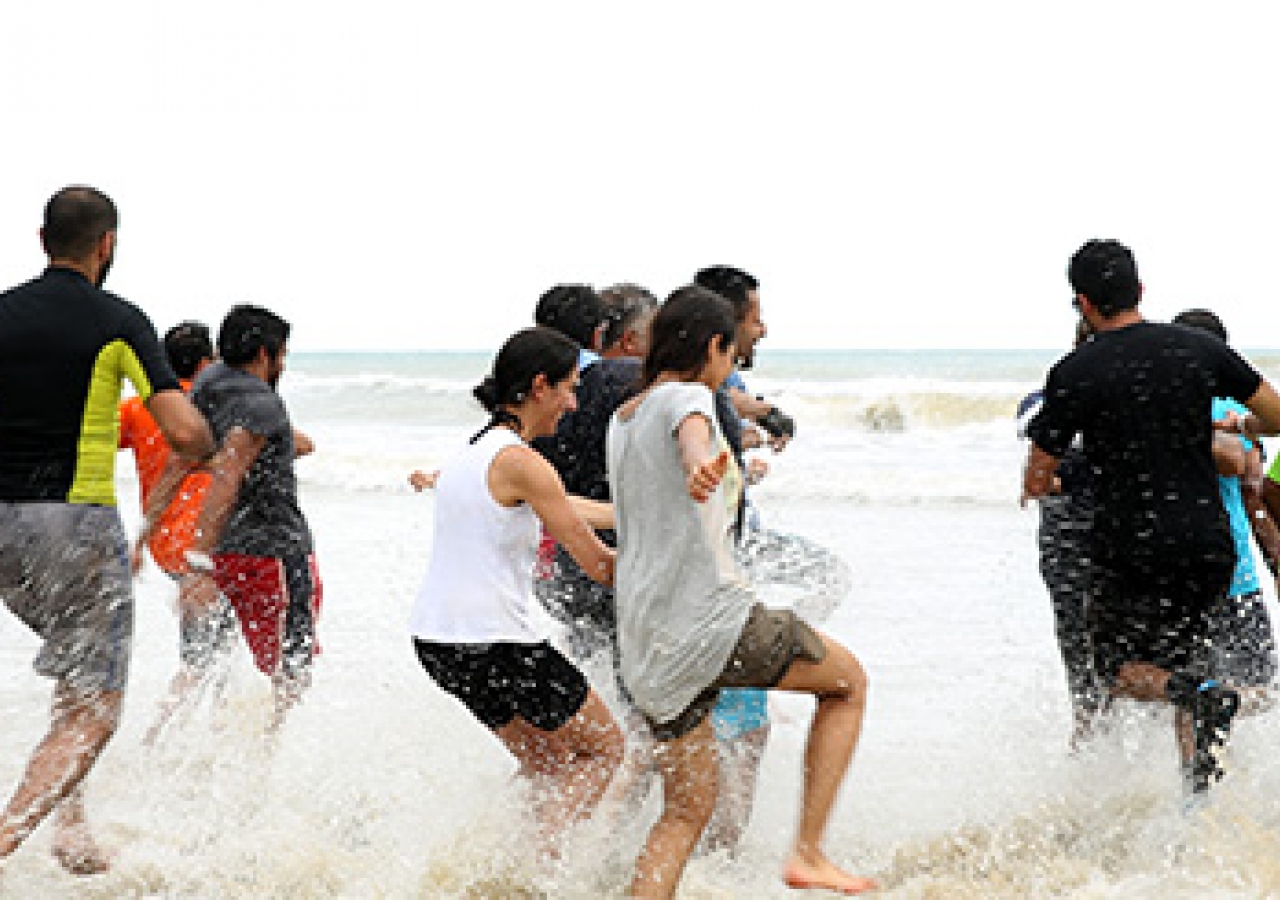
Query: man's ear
{"points": [[539, 384]]}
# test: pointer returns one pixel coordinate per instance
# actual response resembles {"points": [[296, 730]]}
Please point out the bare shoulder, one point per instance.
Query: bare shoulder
{"points": [[518, 456], [518, 471]]}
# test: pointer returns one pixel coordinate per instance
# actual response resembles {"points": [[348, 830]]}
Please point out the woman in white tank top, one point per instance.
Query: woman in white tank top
{"points": [[477, 628]]}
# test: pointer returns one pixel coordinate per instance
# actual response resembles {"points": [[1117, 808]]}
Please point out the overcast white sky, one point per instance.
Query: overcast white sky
{"points": [[413, 175]]}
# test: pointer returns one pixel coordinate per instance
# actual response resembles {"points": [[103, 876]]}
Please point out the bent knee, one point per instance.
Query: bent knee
{"points": [[851, 679]]}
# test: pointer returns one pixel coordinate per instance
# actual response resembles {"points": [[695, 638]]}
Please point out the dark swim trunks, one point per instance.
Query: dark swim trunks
{"points": [[771, 640], [502, 680], [1155, 610]]}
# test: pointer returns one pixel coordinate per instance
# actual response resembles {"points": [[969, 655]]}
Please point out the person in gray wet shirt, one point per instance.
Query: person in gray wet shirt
{"points": [[689, 625], [263, 558]]}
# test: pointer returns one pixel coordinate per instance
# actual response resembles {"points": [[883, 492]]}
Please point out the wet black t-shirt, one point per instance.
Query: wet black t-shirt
{"points": [[1140, 396], [66, 346], [576, 450]]}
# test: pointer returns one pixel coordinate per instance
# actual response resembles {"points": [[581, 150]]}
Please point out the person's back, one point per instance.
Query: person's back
{"points": [[677, 624], [1139, 393], [1140, 396], [66, 348], [267, 520], [577, 449], [479, 582]]}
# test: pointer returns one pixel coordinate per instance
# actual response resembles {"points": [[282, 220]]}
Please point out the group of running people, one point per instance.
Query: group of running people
{"points": [[625, 461], [1138, 444], [214, 448], [609, 487]]}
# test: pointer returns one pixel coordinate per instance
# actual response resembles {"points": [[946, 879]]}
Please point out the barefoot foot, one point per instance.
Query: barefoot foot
{"points": [[823, 875], [81, 857]]}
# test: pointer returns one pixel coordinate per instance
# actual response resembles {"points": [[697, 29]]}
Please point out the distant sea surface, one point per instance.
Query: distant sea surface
{"points": [[865, 417]]}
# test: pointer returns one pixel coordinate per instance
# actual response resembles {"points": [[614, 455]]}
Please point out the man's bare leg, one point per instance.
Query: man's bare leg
{"points": [[197, 597], [1150, 683], [287, 691], [81, 723]]}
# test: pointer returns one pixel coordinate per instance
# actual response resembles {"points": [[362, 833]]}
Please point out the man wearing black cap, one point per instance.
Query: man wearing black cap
{"points": [[1161, 547]]}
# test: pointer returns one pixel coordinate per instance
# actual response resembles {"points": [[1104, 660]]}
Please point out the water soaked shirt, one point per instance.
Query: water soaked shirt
{"points": [[1138, 395], [681, 600], [267, 520], [66, 348]]}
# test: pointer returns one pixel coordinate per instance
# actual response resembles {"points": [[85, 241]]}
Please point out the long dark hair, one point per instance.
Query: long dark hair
{"points": [[682, 328], [527, 354]]}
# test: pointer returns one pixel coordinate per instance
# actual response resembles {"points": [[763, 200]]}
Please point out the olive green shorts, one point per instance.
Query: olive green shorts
{"points": [[770, 641]]}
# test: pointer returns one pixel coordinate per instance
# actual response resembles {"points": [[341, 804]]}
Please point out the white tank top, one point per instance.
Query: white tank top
{"points": [[479, 584]]}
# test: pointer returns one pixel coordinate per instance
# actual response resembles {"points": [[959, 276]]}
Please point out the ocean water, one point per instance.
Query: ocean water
{"points": [[905, 464]]}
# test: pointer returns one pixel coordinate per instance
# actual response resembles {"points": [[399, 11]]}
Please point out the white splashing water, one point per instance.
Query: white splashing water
{"points": [[382, 786]]}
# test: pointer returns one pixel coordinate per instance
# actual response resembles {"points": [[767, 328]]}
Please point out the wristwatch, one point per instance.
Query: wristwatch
{"points": [[199, 561]]}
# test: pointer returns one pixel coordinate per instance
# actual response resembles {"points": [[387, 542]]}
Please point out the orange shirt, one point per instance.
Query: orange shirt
{"points": [[176, 529]]}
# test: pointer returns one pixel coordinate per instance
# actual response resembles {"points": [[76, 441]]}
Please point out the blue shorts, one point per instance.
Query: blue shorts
{"points": [[738, 712]]}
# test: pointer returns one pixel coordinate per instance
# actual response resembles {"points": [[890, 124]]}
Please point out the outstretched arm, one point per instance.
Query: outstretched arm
{"points": [[703, 466], [522, 475], [184, 429], [780, 427]]}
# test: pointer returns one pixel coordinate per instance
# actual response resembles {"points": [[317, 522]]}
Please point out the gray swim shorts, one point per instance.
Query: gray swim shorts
{"points": [[64, 571]]}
